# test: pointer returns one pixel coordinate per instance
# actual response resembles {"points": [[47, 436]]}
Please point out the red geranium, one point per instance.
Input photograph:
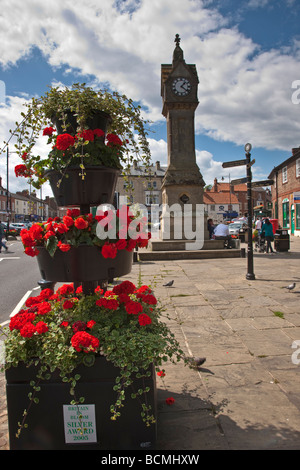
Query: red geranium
{"points": [[109, 250], [48, 130], [31, 251], [126, 287], [64, 141], [144, 319], [81, 223], [68, 221], [41, 327], [28, 330], [99, 132], [113, 139], [111, 304], [22, 170], [68, 304], [83, 341], [63, 246], [133, 308], [87, 134]]}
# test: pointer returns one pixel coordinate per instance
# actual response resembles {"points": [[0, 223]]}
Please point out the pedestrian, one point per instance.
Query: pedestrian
{"points": [[221, 232], [2, 235], [267, 230], [210, 227], [259, 224]]}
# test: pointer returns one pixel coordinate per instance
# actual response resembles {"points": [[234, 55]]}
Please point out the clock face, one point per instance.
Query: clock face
{"points": [[181, 86]]}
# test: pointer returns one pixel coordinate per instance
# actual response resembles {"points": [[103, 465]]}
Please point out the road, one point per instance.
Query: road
{"points": [[19, 275]]}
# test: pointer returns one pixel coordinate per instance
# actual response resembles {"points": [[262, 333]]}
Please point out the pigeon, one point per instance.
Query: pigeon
{"points": [[169, 284], [195, 362], [291, 286]]}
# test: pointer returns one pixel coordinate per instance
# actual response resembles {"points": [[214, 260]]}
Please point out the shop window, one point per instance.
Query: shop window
{"points": [[286, 214], [298, 216]]}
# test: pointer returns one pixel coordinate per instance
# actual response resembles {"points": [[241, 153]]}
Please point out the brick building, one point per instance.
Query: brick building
{"points": [[227, 195], [286, 193]]}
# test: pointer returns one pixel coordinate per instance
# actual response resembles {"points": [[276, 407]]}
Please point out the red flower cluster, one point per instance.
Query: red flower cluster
{"points": [[134, 300], [22, 170], [27, 321], [83, 341], [64, 141], [66, 230]]}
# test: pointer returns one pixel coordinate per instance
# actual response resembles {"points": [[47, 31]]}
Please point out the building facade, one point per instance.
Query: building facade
{"points": [[286, 193], [141, 186]]}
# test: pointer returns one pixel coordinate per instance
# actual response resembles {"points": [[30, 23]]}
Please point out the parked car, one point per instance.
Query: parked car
{"points": [[235, 228], [18, 226], [11, 231]]}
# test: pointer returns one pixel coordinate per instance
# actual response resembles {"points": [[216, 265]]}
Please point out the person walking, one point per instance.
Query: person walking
{"points": [[267, 230], [2, 235]]}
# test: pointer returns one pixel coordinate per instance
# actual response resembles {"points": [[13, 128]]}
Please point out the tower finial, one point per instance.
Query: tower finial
{"points": [[178, 52], [177, 39]]}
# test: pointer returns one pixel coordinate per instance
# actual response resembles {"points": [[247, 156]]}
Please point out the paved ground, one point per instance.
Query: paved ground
{"points": [[246, 395]]}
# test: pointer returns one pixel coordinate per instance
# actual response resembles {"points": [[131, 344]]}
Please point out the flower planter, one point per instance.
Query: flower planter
{"points": [[83, 263], [97, 120], [97, 187], [48, 428]]}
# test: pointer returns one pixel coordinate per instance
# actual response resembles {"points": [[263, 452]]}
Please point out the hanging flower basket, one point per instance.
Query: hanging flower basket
{"points": [[83, 263], [96, 186], [91, 128]]}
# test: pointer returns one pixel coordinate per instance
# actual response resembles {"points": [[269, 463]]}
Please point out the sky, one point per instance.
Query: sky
{"points": [[247, 55]]}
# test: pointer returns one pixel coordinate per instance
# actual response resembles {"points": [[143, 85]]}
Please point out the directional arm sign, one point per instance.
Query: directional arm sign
{"points": [[234, 163]]}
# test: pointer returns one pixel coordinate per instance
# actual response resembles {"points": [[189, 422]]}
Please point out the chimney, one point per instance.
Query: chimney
{"points": [[0, 181], [157, 164], [215, 186], [294, 151]]}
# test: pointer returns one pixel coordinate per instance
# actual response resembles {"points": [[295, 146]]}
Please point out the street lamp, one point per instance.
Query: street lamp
{"points": [[250, 274]]}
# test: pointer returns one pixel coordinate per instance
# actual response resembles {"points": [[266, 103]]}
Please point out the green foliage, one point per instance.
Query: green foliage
{"points": [[131, 345], [81, 102]]}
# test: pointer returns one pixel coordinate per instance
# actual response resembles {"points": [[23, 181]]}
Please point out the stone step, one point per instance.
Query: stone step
{"points": [[147, 255]]}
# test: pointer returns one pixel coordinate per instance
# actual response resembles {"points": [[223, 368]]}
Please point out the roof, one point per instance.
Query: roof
{"points": [[295, 156], [212, 197]]}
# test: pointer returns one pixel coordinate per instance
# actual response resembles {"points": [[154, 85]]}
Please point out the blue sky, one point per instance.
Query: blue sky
{"points": [[247, 55]]}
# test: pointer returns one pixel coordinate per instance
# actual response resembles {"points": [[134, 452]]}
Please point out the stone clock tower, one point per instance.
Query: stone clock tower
{"points": [[183, 183]]}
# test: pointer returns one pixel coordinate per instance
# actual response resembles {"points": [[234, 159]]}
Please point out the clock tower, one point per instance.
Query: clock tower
{"points": [[183, 183]]}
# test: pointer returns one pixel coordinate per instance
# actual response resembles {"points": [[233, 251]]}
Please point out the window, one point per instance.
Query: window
{"points": [[298, 168], [286, 214], [284, 174], [298, 216]]}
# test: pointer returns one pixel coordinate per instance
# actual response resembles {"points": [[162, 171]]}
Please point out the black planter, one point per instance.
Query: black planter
{"points": [[83, 263], [46, 425], [96, 120], [97, 187]]}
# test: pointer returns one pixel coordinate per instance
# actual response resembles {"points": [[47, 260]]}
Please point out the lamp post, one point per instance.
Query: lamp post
{"points": [[250, 274], [7, 193]]}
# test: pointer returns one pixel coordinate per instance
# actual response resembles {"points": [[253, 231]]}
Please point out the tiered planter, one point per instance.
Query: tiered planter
{"points": [[97, 187], [47, 429], [82, 265]]}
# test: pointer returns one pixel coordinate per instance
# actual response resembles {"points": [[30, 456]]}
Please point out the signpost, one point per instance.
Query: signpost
{"points": [[238, 181], [247, 161]]}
